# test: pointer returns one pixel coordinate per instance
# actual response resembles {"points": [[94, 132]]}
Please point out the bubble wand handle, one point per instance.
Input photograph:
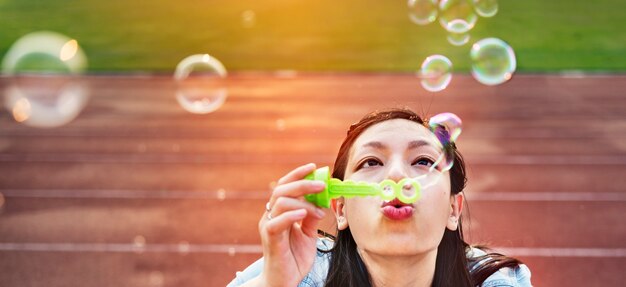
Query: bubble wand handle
{"points": [[335, 188]]}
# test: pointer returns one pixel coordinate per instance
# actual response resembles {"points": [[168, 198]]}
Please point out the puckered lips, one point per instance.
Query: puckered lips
{"points": [[397, 210]]}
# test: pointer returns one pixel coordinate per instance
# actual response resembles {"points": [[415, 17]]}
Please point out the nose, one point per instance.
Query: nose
{"points": [[397, 170]]}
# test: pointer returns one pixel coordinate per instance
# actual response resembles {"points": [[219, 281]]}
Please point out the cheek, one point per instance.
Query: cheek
{"points": [[440, 188], [436, 202], [360, 212], [434, 209]]}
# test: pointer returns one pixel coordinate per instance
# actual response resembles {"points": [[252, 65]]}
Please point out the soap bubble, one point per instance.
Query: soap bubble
{"points": [[44, 89], [457, 16], [422, 12], [493, 61], [139, 244], [486, 8], [248, 19], [221, 194], [447, 128], [156, 279], [184, 247], [458, 39], [436, 73], [280, 125], [201, 87], [451, 122]]}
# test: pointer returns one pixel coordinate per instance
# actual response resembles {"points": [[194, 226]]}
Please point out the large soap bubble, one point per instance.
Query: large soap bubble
{"points": [[201, 87], [44, 88], [493, 61], [436, 73]]}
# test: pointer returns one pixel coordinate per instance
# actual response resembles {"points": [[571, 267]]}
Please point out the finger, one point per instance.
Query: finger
{"points": [[310, 224], [283, 221], [296, 174], [297, 189], [285, 204]]}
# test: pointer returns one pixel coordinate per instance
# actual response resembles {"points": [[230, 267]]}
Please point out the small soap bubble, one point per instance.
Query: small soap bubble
{"points": [[286, 74], [184, 247], [436, 73], [451, 122], [493, 61], [44, 89], [486, 8], [221, 194], [139, 243], [458, 39], [156, 279], [457, 16], [248, 19], [422, 12], [280, 125], [201, 84]]}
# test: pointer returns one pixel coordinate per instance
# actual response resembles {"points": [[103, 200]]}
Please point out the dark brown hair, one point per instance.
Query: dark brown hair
{"points": [[452, 267]]}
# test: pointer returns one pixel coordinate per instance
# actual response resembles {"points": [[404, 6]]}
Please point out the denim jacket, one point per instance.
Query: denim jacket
{"points": [[505, 277]]}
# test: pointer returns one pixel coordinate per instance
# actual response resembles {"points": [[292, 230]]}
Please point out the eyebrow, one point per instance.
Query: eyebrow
{"points": [[418, 143], [376, 145], [412, 145]]}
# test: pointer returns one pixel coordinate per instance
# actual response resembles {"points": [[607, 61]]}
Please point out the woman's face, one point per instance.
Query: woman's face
{"points": [[396, 149]]}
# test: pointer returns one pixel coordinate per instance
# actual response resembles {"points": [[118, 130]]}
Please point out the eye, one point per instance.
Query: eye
{"points": [[424, 161], [370, 162]]}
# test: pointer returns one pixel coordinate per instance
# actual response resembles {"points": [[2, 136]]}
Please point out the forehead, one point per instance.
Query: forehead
{"points": [[396, 131]]}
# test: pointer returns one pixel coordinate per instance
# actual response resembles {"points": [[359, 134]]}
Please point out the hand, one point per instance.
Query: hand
{"points": [[289, 231]]}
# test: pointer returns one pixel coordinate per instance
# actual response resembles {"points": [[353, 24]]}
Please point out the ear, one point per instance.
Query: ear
{"points": [[456, 207], [339, 209]]}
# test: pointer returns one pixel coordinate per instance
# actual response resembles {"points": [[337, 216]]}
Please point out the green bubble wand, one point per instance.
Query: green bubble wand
{"points": [[407, 190]]}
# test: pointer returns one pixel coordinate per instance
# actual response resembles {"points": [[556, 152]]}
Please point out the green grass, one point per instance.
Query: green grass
{"points": [[324, 35]]}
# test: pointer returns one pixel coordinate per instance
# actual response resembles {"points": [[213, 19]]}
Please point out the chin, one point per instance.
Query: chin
{"points": [[401, 252], [402, 246]]}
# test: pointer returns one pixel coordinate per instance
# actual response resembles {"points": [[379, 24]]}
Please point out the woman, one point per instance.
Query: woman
{"points": [[378, 243]]}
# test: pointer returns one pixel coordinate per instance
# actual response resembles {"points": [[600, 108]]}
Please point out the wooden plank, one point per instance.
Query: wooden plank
{"points": [[210, 173], [212, 221]]}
